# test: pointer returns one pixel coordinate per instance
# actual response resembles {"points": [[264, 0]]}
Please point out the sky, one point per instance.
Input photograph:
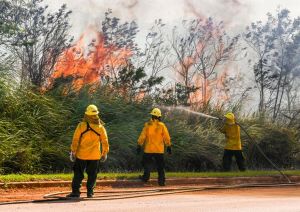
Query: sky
{"points": [[237, 14]]}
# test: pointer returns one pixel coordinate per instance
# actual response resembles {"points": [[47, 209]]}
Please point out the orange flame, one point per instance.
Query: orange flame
{"points": [[214, 90], [89, 64]]}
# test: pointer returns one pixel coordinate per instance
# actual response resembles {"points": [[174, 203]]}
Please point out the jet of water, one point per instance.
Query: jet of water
{"points": [[191, 111]]}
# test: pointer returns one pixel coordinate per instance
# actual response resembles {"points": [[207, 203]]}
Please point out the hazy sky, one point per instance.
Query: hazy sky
{"points": [[236, 13]]}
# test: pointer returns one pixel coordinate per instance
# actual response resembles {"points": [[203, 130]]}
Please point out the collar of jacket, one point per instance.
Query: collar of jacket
{"points": [[155, 121], [230, 122], [92, 119]]}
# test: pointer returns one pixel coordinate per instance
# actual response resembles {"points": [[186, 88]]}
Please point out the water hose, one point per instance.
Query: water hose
{"points": [[263, 154], [117, 195]]}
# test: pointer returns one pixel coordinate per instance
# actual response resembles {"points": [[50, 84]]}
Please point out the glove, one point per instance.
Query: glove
{"points": [[103, 158], [138, 149], [169, 150], [72, 157]]}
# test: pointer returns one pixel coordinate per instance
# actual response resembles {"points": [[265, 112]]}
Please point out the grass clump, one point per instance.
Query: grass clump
{"points": [[134, 175]]}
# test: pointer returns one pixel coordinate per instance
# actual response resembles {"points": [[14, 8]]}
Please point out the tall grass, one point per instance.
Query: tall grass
{"points": [[36, 132]]}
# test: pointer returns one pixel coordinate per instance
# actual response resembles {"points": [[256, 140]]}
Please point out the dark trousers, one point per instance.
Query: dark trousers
{"points": [[91, 168], [159, 163], [239, 158]]}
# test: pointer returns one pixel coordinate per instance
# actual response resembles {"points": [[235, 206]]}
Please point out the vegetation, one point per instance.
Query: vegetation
{"points": [[134, 175], [36, 132], [39, 109]]}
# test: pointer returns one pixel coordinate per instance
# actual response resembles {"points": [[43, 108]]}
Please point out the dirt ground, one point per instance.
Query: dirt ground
{"points": [[20, 194]]}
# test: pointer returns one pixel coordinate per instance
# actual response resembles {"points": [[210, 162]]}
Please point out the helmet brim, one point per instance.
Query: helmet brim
{"points": [[91, 113], [153, 114]]}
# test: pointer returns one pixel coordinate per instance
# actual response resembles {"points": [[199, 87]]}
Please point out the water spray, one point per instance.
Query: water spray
{"points": [[244, 130], [192, 112]]}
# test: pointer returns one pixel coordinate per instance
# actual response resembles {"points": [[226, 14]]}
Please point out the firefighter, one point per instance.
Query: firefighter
{"points": [[233, 146], [153, 139], [89, 135]]}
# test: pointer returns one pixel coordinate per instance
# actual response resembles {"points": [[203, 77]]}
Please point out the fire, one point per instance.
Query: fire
{"points": [[92, 63], [207, 89], [212, 89]]}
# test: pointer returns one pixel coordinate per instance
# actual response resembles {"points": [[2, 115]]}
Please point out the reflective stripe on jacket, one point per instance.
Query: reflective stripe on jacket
{"points": [[88, 147], [154, 137], [232, 135]]}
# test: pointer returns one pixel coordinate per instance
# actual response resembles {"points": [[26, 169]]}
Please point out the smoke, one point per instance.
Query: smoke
{"points": [[233, 2], [232, 12], [130, 4], [190, 8]]}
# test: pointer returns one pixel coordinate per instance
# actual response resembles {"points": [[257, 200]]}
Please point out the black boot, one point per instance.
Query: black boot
{"points": [[161, 183], [141, 177], [90, 194], [73, 195]]}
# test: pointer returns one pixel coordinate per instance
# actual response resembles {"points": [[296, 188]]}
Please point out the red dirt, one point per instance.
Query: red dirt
{"points": [[19, 194]]}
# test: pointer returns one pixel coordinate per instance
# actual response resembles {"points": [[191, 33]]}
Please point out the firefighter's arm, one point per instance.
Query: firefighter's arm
{"points": [[76, 138], [166, 136], [238, 133], [142, 137], [104, 141]]}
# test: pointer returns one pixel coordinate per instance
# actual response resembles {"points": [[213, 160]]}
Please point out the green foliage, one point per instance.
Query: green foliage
{"points": [[279, 144], [36, 132], [29, 122], [134, 175], [196, 146]]}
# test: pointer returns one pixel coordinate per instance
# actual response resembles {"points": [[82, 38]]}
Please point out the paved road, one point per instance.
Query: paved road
{"points": [[262, 199]]}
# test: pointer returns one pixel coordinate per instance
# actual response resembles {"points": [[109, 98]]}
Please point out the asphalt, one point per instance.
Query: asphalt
{"points": [[250, 199], [170, 181]]}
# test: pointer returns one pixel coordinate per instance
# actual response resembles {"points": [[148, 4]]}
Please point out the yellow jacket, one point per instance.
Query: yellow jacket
{"points": [[154, 137], [232, 135], [88, 147]]}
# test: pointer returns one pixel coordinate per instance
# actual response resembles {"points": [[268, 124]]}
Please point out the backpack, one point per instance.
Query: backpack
{"points": [[88, 128]]}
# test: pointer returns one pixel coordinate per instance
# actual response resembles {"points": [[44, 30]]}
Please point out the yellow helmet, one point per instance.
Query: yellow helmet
{"points": [[91, 110], [156, 112], [229, 116]]}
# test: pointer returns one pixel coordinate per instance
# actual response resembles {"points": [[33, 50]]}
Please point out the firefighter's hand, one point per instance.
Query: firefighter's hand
{"points": [[138, 149], [169, 150], [72, 157], [103, 158]]}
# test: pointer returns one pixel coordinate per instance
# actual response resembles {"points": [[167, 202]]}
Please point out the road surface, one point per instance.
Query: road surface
{"points": [[250, 199]]}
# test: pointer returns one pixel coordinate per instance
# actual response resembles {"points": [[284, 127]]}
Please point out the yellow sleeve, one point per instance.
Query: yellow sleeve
{"points": [[166, 136], [238, 133], [104, 141], [143, 135], [76, 138]]}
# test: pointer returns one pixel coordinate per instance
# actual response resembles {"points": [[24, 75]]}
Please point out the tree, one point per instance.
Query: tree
{"points": [[154, 58], [133, 72], [40, 39], [285, 29], [131, 81], [119, 42], [181, 42], [201, 47], [213, 48], [276, 44], [258, 37]]}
